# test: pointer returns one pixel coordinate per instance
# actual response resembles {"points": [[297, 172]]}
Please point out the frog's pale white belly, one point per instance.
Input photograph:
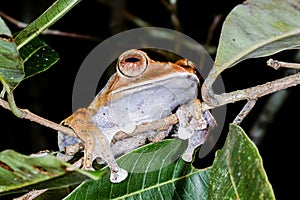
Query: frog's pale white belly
{"points": [[146, 105]]}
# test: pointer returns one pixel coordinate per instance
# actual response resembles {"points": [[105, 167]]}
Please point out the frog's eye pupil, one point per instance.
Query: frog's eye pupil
{"points": [[132, 60], [132, 63]]}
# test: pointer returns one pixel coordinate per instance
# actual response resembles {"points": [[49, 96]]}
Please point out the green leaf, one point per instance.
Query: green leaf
{"points": [[11, 64], [155, 173], [257, 28], [19, 173], [237, 171], [49, 17], [38, 57]]}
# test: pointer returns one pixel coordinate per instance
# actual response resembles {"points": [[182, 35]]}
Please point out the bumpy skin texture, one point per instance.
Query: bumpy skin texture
{"points": [[142, 91]]}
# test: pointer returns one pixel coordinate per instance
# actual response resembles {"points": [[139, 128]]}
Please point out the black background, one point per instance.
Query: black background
{"points": [[49, 94]]}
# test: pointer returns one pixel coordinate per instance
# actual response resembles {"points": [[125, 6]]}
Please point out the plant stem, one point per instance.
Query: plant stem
{"points": [[277, 64], [222, 99], [22, 25], [26, 114], [254, 92], [13, 107]]}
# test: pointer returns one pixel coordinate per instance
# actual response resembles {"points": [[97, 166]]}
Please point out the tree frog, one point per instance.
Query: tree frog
{"points": [[140, 91]]}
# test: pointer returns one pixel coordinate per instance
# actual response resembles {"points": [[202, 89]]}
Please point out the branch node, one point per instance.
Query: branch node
{"points": [[277, 64]]}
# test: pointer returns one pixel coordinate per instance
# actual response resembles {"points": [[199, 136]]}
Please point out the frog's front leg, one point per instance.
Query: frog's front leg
{"points": [[100, 148], [195, 141], [190, 119], [95, 142], [194, 125], [199, 137]]}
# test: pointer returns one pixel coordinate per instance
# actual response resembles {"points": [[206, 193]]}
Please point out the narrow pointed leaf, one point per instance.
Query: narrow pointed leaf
{"points": [[11, 64], [257, 28], [237, 171], [19, 173], [49, 17], [156, 172]]}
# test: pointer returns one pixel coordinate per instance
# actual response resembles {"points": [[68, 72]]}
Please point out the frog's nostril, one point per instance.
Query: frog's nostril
{"points": [[132, 63]]}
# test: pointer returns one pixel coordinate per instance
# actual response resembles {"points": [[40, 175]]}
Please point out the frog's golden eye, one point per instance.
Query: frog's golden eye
{"points": [[132, 63]]}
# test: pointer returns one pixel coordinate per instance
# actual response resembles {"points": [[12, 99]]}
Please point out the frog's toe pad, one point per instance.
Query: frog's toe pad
{"points": [[117, 177], [187, 157], [184, 133]]}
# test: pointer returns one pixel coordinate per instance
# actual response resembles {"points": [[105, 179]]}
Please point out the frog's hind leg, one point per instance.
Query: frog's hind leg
{"points": [[96, 143]]}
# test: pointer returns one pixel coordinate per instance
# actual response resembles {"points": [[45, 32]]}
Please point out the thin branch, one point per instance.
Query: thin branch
{"points": [[277, 64], [40, 120], [172, 8], [119, 11], [157, 125], [212, 29], [51, 31], [244, 112], [254, 92], [136, 20], [223, 99], [31, 195]]}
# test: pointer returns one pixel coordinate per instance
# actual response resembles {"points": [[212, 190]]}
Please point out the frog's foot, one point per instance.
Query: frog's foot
{"points": [[87, 165], [70, 151], [195, 141], [199, 137], [74, 148], [187, 156], [118, 175], [190, 119]]}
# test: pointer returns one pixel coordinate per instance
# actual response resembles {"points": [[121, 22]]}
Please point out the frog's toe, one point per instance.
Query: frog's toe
{"points": [[184, 133], [118, 176], [128, 128], [100, 161], [88, 167], [187, 157]]}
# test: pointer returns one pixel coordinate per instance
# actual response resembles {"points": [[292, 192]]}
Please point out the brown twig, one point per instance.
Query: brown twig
{"points": [[157, 125], [31, 195], [223, 99], [40, 120], [118, 12], [254, 92], [277, 64], [244, 112], [212, 29], [51, 31], [172, 8]]}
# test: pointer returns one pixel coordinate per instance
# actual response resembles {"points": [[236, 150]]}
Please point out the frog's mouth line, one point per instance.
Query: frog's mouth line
{"points": [[165, 81]]}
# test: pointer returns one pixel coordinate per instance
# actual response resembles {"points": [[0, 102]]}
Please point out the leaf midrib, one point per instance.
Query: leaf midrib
{"points": [[161, 184]]}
